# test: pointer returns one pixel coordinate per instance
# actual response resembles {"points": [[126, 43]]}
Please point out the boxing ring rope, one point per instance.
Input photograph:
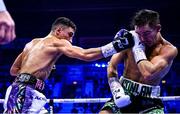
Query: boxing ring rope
{"points": [[98, 100]]}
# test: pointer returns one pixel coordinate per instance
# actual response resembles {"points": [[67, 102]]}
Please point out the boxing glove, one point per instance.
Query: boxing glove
{"points": [[119, 97], [122, 40], [2, 6], [138, 49]]}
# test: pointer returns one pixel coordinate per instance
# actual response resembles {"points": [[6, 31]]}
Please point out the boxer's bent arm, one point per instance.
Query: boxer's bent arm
{"points": [[14, 71], [16, 65], [153, 68], [119, 96], [113, 63]]}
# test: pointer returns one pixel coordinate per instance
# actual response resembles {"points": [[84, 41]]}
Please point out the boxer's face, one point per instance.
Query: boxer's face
{"points": [[69, 33], [147, 34], [66, 33]]}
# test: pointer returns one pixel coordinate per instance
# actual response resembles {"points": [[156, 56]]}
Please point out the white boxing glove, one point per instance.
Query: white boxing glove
{"points": [[122, 40], [138, 48], [2, 6], [119, 96]]}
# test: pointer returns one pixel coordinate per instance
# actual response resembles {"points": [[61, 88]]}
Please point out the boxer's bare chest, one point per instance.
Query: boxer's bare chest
{"points": [[131, 70]]}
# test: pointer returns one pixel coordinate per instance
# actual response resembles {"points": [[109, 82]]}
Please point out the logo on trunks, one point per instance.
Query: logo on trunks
{"points": [[40, 98], [137, 89], [39, 84]]}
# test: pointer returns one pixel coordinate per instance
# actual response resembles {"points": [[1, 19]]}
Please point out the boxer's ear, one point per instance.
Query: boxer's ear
{"points": [[58, 31], [158, 27]]}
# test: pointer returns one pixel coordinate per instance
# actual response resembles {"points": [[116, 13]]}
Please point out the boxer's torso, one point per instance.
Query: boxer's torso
{"points": [[39, 56], [131, 70]]}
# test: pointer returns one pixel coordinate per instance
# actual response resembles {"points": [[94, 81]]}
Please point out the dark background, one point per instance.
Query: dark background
{"points": [[97, 22]]}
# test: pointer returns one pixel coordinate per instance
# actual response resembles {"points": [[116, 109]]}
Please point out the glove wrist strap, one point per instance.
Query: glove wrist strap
{"points": [[139, 55], [108, 50]]}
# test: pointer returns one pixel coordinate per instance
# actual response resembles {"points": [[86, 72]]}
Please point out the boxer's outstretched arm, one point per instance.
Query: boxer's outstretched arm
{"points": [[69, 50], [122, 41], [154, 68], [90, 54]]}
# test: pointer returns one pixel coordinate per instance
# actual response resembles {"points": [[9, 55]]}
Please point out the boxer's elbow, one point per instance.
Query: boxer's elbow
{"points": [[147, 71], [112, 71], [149, 74], [146, 75], [14, 71]]}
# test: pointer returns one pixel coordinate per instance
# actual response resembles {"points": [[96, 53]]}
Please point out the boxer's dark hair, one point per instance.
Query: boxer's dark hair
{"points": [[144, 17], [63, 21]]}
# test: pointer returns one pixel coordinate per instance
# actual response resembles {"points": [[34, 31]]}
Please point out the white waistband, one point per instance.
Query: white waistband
{"points": [[140, 89]]}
